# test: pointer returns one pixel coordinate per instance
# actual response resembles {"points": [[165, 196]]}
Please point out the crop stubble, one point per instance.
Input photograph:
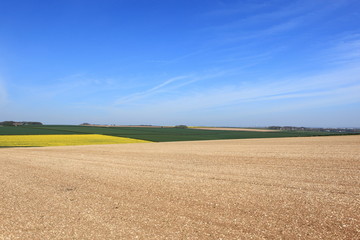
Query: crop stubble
{"points": [[231, 189]]}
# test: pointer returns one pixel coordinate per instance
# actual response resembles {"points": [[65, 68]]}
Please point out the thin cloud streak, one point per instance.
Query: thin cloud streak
{"points": [[345, 51], [286, 19], [294, 10], [149, 92], [167, 86], [338, 86]]}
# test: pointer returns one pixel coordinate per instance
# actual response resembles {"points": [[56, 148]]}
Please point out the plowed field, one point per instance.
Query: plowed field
{"points": [[290, 188]]}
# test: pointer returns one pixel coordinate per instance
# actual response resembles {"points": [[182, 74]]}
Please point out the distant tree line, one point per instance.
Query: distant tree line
{"points": [[292, 128], [181, 126], [14, 124]]}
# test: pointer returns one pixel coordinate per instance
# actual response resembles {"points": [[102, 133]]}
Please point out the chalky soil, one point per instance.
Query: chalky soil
{"points": [[290, 188]]}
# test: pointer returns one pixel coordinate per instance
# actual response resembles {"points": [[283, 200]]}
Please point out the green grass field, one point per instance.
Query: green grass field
{"points": [[154, 134]]}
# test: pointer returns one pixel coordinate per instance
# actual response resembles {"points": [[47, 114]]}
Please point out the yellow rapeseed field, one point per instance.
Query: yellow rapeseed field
{"points": [[62, 140]]}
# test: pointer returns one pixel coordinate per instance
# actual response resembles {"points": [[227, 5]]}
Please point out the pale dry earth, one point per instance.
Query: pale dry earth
{"points": [[237, 129], [289, 188]]}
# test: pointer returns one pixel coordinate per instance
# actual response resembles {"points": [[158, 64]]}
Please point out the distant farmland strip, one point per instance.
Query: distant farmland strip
{"points": [[154, 134], [173, 134], [61, 140], [33, 131]]}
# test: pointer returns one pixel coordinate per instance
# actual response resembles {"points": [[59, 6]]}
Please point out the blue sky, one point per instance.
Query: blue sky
{"points": [[167, 62]]}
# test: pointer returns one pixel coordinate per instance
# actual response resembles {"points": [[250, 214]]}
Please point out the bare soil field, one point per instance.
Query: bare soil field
{"points": [[237, 129], [284, 188]]}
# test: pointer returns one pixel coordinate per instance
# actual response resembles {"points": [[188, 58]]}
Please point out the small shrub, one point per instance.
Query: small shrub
{"points": [[181, 126]]}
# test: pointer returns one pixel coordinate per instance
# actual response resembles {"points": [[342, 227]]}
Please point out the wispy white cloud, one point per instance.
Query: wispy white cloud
{"points": [[263, 22], [290, 10], [329, 87], [260, 24], [345, 51], [167, 86], [268, 31], [337, 87], [143, 94]]}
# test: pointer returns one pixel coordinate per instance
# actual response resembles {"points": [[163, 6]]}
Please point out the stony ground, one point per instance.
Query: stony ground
{"points": [[290, 188]]}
